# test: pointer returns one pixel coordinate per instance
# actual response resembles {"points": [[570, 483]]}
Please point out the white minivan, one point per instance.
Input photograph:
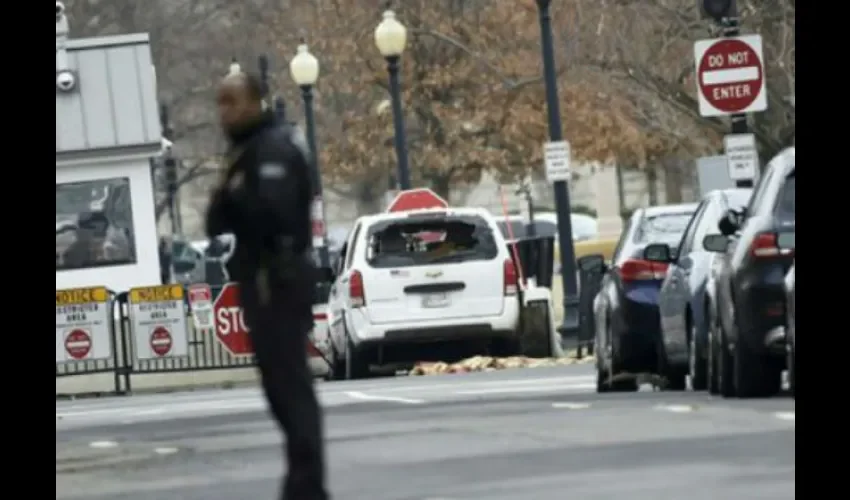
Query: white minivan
{"points": [[410, 285]]}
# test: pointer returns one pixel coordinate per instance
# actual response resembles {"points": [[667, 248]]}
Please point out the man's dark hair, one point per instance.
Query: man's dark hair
{"points": [[254, 86]]}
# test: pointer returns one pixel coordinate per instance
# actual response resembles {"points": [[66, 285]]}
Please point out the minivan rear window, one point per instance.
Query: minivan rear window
{"points": [[422, 241]]}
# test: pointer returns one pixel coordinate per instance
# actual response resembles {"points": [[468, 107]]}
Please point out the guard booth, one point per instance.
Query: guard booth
{"points": [[107, 128]]}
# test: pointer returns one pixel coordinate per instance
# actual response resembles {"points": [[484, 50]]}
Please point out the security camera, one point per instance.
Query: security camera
{"points": [[60, 10], [65, 81], [166, 145]]}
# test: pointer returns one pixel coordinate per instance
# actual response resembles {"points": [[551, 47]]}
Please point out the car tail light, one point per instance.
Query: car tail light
{"points": [[510, 277], [767, 245], [355, 289], [639, 270]]}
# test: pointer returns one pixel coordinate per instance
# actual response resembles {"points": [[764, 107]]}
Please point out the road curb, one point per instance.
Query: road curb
{"points": [[87, 459]]}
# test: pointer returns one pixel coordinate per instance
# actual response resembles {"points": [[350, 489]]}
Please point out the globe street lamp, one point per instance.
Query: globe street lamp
{"points": [[391, 38], [304, 69], [562, 193]]}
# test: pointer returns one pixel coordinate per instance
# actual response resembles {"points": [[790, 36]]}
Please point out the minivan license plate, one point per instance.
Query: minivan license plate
{"points": [[435, 300]]}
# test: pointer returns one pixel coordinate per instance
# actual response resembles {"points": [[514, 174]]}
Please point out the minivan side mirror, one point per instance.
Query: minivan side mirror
{"points": [[715, 243], [658, 252], [729, 223]]}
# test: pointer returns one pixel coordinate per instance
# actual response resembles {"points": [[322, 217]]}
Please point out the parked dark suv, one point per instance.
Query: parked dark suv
{"points": [[746, 339]]}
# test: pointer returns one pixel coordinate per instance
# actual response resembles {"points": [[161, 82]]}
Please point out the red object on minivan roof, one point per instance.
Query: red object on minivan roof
{"points": [[417, 199]]}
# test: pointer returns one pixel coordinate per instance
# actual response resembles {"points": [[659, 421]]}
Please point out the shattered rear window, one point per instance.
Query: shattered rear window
{"points": [[420, 241]]}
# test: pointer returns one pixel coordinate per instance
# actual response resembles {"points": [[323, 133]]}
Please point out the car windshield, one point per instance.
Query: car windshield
{"points": [[423, 241], [663, 227]]}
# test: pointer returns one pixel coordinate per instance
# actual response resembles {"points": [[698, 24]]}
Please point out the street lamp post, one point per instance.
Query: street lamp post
{"points": [[562, 195], [391, 38], [304, 69]]}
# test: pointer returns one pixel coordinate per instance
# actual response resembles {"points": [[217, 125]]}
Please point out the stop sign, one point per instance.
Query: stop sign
{"points": [[417, 199], [730, 75], [230, 328]]}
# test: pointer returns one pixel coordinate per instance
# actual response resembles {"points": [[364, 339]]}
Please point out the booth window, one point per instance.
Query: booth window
{"points": [[94, 224]]}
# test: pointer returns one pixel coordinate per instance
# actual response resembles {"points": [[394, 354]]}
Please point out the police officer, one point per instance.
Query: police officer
{"points": [[264, 199]]}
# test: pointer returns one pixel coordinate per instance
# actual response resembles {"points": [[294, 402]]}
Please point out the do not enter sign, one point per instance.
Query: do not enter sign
{"points": [[78, 344], [161, 341], [730, 75]]}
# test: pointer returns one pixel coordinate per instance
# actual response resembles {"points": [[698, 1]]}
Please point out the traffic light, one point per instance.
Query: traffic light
{"points": [[718, 9]]}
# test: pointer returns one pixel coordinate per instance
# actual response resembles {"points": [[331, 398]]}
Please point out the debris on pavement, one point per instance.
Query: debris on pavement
{"points": [[487, 364]]}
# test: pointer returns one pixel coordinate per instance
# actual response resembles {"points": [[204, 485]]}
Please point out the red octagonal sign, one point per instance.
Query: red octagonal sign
{"points": [[417, 199], [230, 327], [730, 75]]}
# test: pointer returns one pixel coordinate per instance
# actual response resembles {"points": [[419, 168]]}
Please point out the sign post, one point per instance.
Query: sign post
{"points": [[742, 156], [83, 324], [158, 322], [230, 327], [556, 157], [730, 75]]}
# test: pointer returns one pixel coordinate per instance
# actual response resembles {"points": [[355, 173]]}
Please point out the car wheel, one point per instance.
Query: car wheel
{"points": [[355, 366], [606, 375], [725, 368], [697, 366], [338, 371], [711, 364], [675, 376], [755, 375]]}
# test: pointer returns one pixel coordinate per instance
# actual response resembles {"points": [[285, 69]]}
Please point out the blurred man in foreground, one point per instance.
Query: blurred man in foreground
{"points": [[264, 200]]}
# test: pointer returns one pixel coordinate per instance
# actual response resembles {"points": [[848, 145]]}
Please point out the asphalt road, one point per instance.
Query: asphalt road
{"points": [[532, 434]]}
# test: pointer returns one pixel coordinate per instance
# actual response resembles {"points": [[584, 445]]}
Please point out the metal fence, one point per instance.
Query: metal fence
{"points": [[205, 352]]}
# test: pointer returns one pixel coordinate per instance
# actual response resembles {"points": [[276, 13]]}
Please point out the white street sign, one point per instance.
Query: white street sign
{"points": [[730, 75], [158, 321], [556, 156], [83, 324], [742, 156]]}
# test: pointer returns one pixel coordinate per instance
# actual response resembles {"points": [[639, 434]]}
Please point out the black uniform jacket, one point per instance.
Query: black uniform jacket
{"points": [[264, 199]]}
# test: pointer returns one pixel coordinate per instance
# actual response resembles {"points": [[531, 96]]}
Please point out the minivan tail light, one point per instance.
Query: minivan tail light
{"points": [[355, 289], [767, 245], [510, 277], [642, 270]]}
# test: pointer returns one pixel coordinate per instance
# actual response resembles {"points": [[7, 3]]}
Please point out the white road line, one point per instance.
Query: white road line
{"points": [[571, 406], [391, 399], [786, 415], [515, 390], [100, 445], [676, 408]]}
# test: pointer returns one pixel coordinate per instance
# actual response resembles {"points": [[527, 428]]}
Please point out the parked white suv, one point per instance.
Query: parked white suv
{"points": [[411, 285]]}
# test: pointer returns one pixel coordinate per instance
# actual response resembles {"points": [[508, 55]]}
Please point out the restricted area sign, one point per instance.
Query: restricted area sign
{"points": [[742, 156], [556, 158], [730, 75], [201, 306], [83, 324], [230, 327], [417, 199], [158, 321]]}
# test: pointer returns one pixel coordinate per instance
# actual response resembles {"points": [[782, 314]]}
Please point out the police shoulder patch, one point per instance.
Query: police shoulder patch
{"points": [[272, 171]]}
